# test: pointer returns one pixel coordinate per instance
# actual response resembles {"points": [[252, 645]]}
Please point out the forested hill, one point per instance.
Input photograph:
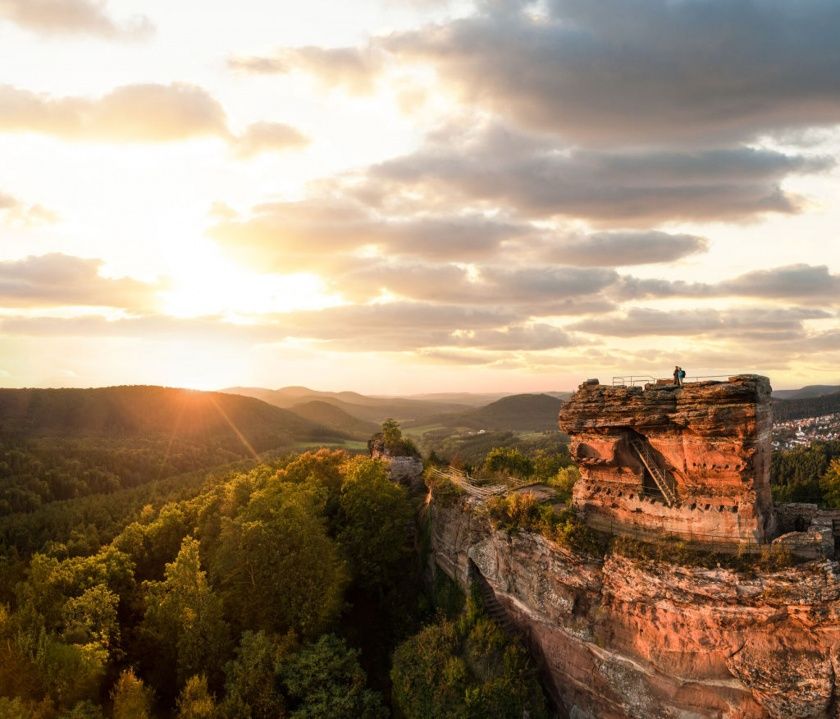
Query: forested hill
{"points": [[58, 444], [332, 417], [518, 412], [132, 411], [784, 409]]}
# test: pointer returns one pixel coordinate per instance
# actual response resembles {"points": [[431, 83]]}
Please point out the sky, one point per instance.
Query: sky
{"points": [[410, 196]]}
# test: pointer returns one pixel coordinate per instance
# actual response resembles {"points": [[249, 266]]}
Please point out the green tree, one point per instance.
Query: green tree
{"points": [[466, 669], [830, 484], [195, 701], [184, 622], [132, 699], [91, 619], [373, 518], [391, 432], [251, 688], [325, 680], [506, 460], [564, 482], [277, 566]]}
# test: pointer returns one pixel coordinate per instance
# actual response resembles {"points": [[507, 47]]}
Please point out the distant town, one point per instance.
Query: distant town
{"points": [[792, 433]]}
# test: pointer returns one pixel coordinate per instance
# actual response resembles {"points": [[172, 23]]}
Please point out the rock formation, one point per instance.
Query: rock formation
{"points": [[405, 468], [631, 638], [626, 638], [690, 461]]}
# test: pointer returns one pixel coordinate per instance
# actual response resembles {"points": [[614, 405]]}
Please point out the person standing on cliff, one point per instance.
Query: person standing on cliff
{"points": [[677, 375]]}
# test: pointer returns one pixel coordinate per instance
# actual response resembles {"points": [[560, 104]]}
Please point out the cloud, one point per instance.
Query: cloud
{"points": [[498, 167], [615, 249], [14, 210], [792, 282], [269, 137], [139, 113], [353, 69], [132, 113], [296, 234], [63, 280], [748, 323], [642, 72], [540, 289], [72, 17]]}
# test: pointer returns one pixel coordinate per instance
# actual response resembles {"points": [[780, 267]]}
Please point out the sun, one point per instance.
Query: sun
{"points": [[208, 284]]}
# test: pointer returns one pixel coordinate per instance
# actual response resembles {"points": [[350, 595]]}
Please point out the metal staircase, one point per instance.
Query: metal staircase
{"points": [[663, 479]]}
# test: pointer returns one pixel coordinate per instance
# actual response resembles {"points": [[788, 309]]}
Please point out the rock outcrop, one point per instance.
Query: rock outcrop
{"points": [[690, 461], [405, 469], [625, 638]]}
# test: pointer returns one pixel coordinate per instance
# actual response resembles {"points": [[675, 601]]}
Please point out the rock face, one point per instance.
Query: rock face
{"points": [[708, 442], [639, 639], [404, 469]]}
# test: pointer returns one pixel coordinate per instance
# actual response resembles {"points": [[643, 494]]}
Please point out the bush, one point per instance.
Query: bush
{"points": [[768, 558], [444, 491], [564, 482], [506, 460], [521, 511]]}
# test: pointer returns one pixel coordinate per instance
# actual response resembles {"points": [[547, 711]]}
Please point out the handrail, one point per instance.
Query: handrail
{"points": [[467, 483], [632, 380]]}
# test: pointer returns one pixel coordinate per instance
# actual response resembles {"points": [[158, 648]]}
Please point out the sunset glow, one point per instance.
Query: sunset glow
{"points": [[385, 196]]}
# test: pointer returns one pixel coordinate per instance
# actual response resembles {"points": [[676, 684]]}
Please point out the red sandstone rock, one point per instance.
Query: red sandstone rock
{"points": [[640, 639], [711, 439]]}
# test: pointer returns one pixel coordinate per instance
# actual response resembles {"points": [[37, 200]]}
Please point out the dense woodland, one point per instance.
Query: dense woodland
{"points": [[293, 588], [176, 574]]}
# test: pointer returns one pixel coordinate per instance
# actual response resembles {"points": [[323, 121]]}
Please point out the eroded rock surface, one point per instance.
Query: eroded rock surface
{"points": [[622, 638], [711, 441]]}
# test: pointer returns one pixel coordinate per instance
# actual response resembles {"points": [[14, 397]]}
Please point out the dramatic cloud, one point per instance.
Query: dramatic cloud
{"points": [[269, 137], [615, 249], [533, 176], [72, 17], [351, 68], [57, 280], [643, 72]]}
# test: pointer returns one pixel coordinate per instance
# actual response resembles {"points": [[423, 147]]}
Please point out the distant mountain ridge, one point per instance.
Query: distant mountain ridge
{"points": [[519, 412], [813, 390], [803, 407], [334, 418], [371, 409]]}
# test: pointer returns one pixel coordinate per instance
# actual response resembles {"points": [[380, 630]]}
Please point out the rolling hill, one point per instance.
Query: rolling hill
{"points": [[334, 418], [135, 411], [814, 406], [371, 409], [519, 412], [813, 390]]}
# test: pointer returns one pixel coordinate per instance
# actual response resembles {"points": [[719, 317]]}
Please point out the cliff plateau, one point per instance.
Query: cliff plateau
{"points": [[623, 638]]}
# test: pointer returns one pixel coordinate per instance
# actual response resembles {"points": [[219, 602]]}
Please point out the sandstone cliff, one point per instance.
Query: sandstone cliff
{"points": [[622, 638], [710, 441]]}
